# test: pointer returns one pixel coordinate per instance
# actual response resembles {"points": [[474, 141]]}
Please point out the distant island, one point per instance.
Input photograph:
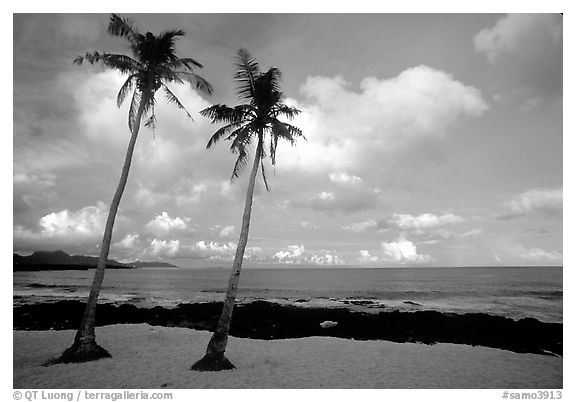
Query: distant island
{"points": [[61, 261]]}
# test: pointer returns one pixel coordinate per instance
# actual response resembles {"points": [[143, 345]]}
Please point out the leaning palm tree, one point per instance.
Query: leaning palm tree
{"points": [[246, 123], [153, 64]]}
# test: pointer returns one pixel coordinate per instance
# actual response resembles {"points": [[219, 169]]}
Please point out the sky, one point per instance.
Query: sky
{"points": [[431, 140]]}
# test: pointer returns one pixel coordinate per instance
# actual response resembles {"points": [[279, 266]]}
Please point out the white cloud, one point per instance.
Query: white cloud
{"points": [[402, 251], [515, 31], [129, 242], [537, 254], [227, 231], [471, 233], [29, 179], [163, 248], [297, 254], [345, 178], [64, 229], [86, 221], [308, 225], [162, 224], [358, 227], [544, 201], [346, 128], [366, 258], [292, 252], [424, 221], [326, 259], [192, 195]]}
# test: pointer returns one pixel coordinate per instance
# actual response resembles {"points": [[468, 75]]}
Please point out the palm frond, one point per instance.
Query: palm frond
{"points": [[285, 131], [126, 88], [134, 106], [151, 123], [124, 64], [200, 82], [187, 62], [247, 70], [240, 164], [221, 132], [222, 113], [288, 111], [171, 98], [121, 26]]}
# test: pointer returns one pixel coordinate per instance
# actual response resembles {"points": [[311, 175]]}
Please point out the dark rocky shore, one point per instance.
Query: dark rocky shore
{"points": [[265, 320]]}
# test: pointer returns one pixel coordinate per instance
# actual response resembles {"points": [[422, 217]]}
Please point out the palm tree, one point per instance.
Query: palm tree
{"points": [[153, 64], [246, 123]]}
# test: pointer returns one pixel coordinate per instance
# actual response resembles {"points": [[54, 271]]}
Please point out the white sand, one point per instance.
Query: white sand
{"points": [[154, 357]]}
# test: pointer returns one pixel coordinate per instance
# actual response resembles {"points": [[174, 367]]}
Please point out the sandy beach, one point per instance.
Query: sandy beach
{"points": [[147, 356]]}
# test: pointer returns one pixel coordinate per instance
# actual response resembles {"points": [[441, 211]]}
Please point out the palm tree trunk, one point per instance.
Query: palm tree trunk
{"points": [[214, 359], [85, 347]]}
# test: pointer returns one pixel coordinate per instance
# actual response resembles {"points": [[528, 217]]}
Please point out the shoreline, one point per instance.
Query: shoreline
{"points": [[271, 321]]}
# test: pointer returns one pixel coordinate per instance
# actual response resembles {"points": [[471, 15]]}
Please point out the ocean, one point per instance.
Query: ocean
{"points": [[514, 292]]}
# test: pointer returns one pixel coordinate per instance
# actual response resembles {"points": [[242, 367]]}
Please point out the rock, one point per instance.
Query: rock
{"points": [[328, 324]]}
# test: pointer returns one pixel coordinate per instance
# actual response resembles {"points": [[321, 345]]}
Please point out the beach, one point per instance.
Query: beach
{"points": [[145, 356]]}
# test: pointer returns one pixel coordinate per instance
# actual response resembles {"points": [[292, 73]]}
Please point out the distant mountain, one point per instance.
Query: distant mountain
{"points": [[60, 260], [154, 264]]}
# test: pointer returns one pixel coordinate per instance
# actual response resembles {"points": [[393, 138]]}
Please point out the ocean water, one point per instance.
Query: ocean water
{"points": [[511, 292]]}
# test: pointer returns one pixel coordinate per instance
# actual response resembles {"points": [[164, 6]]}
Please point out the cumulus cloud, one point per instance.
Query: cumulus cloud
{"points": [[297, 254], [345, 128], [547, 202], [366, 258], [162, 224], [64, 229], [163, 248], [516, 31], [402, 251]]}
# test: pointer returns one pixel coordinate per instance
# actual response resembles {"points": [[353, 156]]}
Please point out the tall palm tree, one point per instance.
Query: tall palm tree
{"points": [[153, 64], [246, 123]]}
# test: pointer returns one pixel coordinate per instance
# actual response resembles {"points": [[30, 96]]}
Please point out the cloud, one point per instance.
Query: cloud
{"points": [[537, 254], [37, 180], [471, 233], [129, 242], [346, 128], [534, 255], [424, 221], [345, 178], [546, 202], [514, 32], [162, 224], [358, 227], [292, 252], [308, 225], [227, 231], [64, 229], [402, 251], [366, 258], [162, 248], [297, 254]]}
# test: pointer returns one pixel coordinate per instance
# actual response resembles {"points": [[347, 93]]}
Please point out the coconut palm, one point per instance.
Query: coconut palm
{"points": [[153, 64], [247, 123]]}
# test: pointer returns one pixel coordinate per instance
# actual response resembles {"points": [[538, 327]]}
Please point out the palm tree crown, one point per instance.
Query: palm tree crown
{"points": [[153, 63], [259, 116]]}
